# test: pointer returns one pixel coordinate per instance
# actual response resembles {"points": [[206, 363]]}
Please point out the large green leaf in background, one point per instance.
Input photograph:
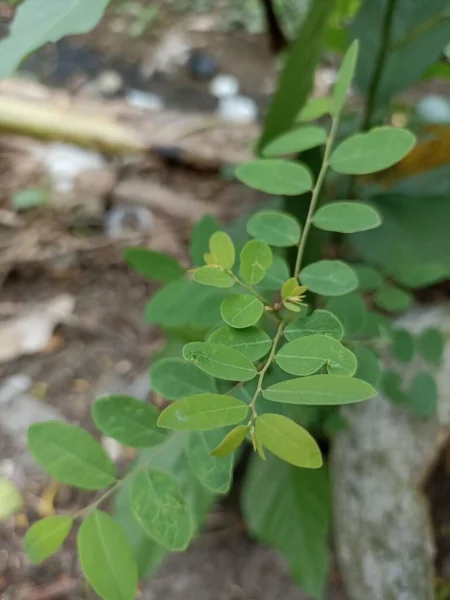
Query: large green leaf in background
{"points": [[419, 33], [40, 21], [292, 514]]}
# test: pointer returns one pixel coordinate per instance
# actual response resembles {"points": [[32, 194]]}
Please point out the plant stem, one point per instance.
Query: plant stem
{"points": [[249, 288]]}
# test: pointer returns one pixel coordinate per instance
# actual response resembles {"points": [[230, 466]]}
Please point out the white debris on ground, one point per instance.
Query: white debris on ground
{"points": [[144, 100]]}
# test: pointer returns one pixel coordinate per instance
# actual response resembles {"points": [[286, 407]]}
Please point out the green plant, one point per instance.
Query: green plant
{"points": [[258, 366]]}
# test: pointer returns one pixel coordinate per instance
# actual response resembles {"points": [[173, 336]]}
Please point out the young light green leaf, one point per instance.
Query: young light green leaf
{"points": [[220, 361], [29, 198], [314, 109], [154, 265], [276, 275], [106, 558], [71, 455], [373, 151], [307, 355], [329, 278], [346, 217], [214, 276], [46, 536], [369, 279], [214, 473], [287, 440], [391, 385], [276, 176], [423, 395], [344, 78], [368, 365], [274, 227], [391, 298], [351, 311], [231, 441], [200, 237], [203, 412], [159, 507], [252, 342], [257, 444], [240, 310], [402, 345], [129, 421], [296, 141], [10, 499], [256, 258], [430, 345], [321, 390], [174, 378], [291, 306], [321, 321], [289, 288], [222, 249]]}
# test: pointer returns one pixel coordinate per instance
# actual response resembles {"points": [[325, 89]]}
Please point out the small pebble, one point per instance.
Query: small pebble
{"points": [[201, 65], [124, 219], [144, 100], [224, 86], [238, 109], [434, 109], [113, 448], [109, 83]]}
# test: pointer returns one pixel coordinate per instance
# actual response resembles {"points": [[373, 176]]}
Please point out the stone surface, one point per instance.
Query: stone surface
{"points": [[383, 534]]}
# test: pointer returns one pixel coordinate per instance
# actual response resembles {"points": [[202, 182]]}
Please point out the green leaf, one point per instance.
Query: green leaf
{"points": [[220, 361], [391, 384], [274, 227], [320, 389], [129, 421], [240, 310], [301, 501], [159, 507], [154, 265], [377, 326], [351, 312], [46, 536], [71, 455], [402, 345], [391, 298], [256, 258], [222, 249], [307, 355], [252, 342], [423, 395], [213, 276], [346, 217], [369, 279], [290, 287], [203, 412], [174, 378], [276, 274], [321, 321], [314, 109], [214, 473], [287, 440], [29, 198], [231, 441], [329, 278], [373, 151], [106, 558], [296, 141], [10, 499], [344, 78], [368, 365], [276, 176], [430, 345], [200, 237], [40, 21]]}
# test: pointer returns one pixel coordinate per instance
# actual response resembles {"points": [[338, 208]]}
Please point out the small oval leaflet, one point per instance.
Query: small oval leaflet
{"points": [[307, 355], [329, 278], [252, 342], [46, 536], [368, 278], [402, 345], [373, 151], [159, 507], [231, 441], [344, 77], [289, 441], [423, 395], [213, 276], [315, 108], [220, 361], [213, 473], [174, 378], [320, 390], [203, 412], [106, 557], [430, 345], [391, 298], [276, 274], [222, 249], [154, 265], [71, 455], [276, 176], [200, 236], [274, 227], [346, 217], [129, 421], [240, 310], [10, 499], [256, 258], [295, 141], [321, 321]]}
